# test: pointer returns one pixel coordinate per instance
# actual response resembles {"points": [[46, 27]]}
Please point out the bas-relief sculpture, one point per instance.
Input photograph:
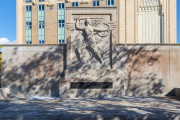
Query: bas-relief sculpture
{"points": [[89, 51], [90, 41], [89, 56]]}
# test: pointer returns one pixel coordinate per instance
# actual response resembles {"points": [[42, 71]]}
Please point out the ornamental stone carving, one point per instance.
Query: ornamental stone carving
{"points": [[150, 22], [90, 40]]}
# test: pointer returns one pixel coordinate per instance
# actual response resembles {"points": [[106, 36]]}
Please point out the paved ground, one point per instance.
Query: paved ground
{"points": [[90, 109]]}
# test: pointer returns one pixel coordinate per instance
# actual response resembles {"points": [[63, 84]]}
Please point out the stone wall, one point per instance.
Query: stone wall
{"points": [[32, 70], [133, 70], [147, 70]]}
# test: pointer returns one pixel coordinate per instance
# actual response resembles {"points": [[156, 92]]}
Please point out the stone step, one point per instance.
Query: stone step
{"points": [[177, 92]]}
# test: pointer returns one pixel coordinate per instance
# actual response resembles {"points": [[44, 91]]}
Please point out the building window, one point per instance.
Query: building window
{"points": [[61, 23], [61, 41], [41, 24], [110, 2], [29, 24], [41, 7], [41, 0], [96, 3], [27, 1], [75, 4]]}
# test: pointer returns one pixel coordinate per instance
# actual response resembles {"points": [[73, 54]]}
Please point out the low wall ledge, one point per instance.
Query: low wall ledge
{"points": [[6, 45], [175, 44]]}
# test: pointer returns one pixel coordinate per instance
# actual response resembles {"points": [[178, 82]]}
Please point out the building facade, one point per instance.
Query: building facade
{"points": [[132, 21]]}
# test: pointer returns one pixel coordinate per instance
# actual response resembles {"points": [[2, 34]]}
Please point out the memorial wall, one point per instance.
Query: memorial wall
{"points": [[124, 49], [126, 70]]}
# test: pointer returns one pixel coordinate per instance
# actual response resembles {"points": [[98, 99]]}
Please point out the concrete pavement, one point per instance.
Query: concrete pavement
{"points": [[127, 108]]}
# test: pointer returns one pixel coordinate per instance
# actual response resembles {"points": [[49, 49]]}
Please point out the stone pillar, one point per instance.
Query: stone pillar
{"points": [[122, 21], [130, 21], [173, 22], [35, 24], [149, 22], [51, 23], [19, 14]]}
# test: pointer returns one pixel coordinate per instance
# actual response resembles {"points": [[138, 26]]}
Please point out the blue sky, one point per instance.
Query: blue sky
{"points": [[8, 21]]}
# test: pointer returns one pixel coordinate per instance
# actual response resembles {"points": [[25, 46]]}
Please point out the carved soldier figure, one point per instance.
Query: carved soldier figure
{"points": [[90, 42]]}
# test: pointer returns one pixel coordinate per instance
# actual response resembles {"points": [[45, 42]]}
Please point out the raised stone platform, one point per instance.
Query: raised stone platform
{"points": [[126, 108]]}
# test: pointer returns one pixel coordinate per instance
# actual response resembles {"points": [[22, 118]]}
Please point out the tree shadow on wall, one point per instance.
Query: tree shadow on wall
{"points": [[34, 73], [135, 72], [140, 66]]}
